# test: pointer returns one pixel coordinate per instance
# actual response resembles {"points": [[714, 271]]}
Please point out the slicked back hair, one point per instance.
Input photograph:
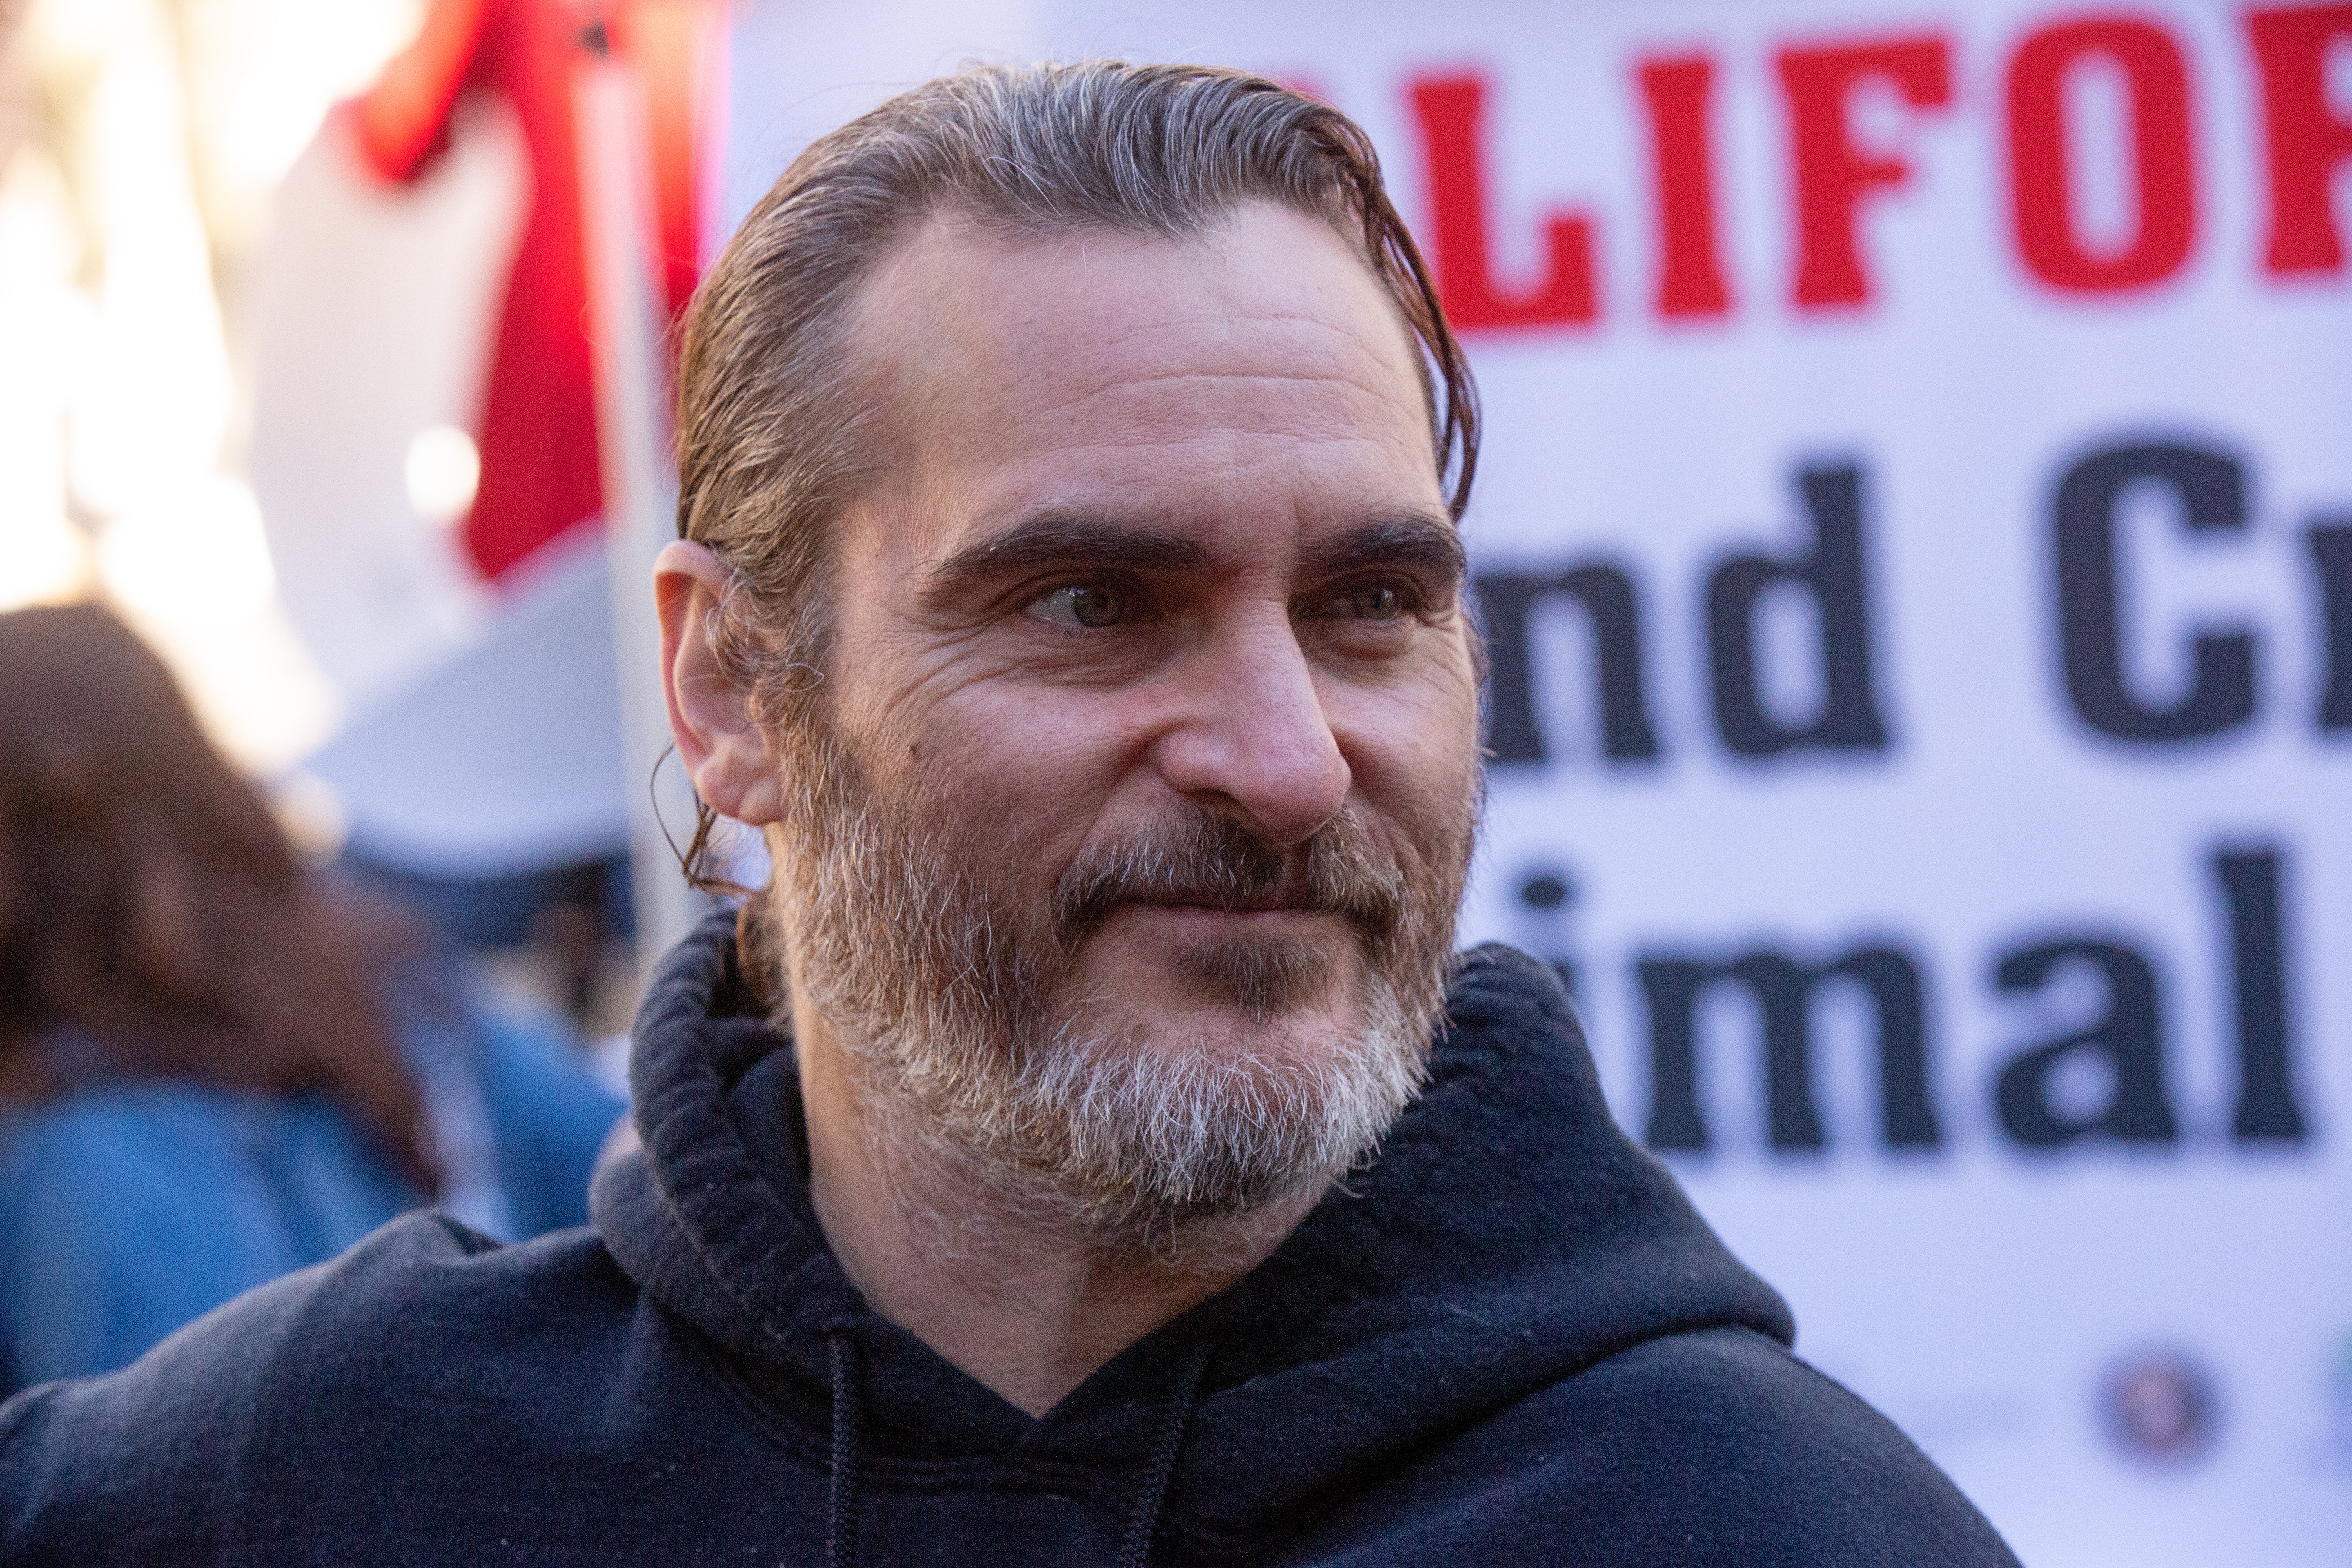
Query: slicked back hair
{"points": [[772, 430]]}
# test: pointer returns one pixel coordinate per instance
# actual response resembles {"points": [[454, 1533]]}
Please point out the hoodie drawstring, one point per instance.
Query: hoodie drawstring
{"points": [[841, 1504], [841, 1510], [1136, 1549]]}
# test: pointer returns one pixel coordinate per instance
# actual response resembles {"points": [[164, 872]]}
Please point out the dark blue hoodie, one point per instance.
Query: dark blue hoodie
{"points": [[1510, 1340]]}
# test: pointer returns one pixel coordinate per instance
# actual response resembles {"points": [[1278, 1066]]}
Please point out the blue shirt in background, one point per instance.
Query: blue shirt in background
{"points": [[128, 1208]]}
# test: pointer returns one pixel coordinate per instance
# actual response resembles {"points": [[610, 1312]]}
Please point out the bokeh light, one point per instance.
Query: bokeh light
{"points": [[443, 469], [198, 555]]}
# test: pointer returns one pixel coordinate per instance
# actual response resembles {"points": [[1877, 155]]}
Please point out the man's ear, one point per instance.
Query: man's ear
{"points": [[725, 751]]}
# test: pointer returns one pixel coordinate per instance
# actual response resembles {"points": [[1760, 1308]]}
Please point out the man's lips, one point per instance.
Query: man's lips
{"points": [[1229, 907]]}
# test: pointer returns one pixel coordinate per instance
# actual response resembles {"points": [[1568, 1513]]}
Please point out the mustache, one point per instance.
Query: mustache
{"points": [[1213, 861]]}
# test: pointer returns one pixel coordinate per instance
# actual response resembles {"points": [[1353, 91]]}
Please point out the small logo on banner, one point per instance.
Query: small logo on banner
{"points": [[2158, 1407]]}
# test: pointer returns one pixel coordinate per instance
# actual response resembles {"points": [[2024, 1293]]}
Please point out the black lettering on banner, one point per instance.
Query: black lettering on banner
{"points": [[1546, 895], [2331, 552], [2267, 1109], [1507, 600], [1783, 989], [1832, 571], [2212, 486], [2129, 1034]]}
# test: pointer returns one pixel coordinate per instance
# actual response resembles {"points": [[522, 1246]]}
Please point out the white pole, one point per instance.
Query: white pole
{"points": [[640, 486]]}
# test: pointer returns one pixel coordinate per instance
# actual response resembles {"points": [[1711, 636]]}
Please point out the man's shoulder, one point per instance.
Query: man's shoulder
{"points": [[1712, 1446], [424, 1333], [1749, 1455], [412, 1283]]}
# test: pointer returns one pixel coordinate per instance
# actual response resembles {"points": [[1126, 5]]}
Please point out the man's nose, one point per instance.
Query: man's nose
{"points": [[1253, 733]]}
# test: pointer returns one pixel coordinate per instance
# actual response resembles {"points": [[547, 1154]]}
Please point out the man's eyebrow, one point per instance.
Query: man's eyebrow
{"points": [[1090, 542], [1072, 541], [1425, 540]]}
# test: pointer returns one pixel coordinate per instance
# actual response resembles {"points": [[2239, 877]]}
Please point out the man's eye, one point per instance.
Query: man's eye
{"points": [[1376, 602], [1087, 604]]}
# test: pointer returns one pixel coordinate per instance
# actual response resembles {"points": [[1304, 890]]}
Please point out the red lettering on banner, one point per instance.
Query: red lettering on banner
{"points": [[2308, 136], [1833, 176], [1450, 110], [1690, 271], [2039, 158]]}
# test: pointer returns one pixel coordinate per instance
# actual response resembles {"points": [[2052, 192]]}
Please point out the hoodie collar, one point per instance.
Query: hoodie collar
{"points": [[1506, 1236]]}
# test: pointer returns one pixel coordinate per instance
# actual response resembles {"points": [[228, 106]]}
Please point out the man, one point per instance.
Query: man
{"points": [[1085, 1150]]}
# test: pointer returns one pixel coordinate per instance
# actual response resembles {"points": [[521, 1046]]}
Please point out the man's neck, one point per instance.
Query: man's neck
{"points": [[1022, 1303]]}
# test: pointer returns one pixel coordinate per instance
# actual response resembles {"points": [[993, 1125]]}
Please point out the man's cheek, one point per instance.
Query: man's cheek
{"points": [[1026, 783]]}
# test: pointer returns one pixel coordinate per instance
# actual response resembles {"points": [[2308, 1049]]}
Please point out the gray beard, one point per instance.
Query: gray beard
{"points": [[982, 1056]]}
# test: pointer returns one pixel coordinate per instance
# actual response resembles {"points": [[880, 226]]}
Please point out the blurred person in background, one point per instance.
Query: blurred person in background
{"points": [[214, 1067]]}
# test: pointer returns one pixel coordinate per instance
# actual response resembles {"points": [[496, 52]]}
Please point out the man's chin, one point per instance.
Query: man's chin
{"points": [[1181, 1095]]}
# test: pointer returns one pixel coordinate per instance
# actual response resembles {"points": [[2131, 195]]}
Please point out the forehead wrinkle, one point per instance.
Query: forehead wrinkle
{"points": [[1345, 359], [1223, 322], [1288, 421], [1218, 443]]}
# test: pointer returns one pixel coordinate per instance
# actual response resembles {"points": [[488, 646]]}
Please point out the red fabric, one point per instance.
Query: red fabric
{"points": [[538, 435]]}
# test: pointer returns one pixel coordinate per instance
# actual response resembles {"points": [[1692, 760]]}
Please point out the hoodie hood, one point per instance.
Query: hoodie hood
{"points": [[1508, 1236]]}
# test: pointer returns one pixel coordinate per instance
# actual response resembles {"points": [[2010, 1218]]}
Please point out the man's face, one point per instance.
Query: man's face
{"points": [[1152, 707]]}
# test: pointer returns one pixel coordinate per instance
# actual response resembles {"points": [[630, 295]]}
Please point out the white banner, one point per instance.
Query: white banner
{"points": [[1916, 530]]}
